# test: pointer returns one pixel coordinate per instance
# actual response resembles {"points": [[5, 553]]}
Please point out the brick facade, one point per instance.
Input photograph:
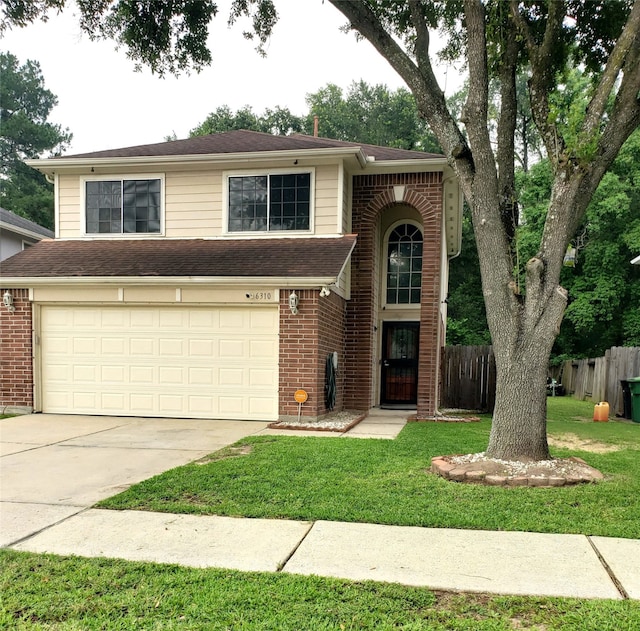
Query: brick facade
{"points": [[372, 195], [323, 324], [305, 341], [16, 372]]}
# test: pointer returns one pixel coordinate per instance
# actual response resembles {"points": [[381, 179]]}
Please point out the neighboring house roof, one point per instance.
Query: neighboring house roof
{"points": [[243, 141], [24, 227], [307, 258]]}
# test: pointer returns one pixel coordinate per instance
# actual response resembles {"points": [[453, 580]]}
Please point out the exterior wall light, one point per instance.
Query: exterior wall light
{"points": [[7, 301], [293, 302], [324, 292]]}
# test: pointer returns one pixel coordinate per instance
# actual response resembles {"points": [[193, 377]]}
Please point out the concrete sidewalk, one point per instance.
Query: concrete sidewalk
{"points": [[54, 468], [460, 560]]}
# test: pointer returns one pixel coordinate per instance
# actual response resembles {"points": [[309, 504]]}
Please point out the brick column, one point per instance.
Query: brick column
{"points": [[305, 341], [16, 352], [372, 195]]}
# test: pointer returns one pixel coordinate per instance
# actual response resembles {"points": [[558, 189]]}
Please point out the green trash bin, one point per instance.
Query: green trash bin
{"points": [[634, 386]]}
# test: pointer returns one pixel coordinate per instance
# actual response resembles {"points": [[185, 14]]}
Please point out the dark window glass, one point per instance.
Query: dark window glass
{"points": [[123, 206], [404, 265], [273, 202]]}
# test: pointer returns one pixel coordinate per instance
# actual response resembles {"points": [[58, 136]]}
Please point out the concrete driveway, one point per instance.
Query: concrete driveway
{"points": [[54, 466]]}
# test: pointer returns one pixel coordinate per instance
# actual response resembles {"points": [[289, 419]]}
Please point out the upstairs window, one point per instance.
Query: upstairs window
{"points": [[404, 265], [123, 206], [275, 202]]}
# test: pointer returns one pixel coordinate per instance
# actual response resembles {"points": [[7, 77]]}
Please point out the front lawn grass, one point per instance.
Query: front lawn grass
{"points": [[70, 593], [387, 482]]}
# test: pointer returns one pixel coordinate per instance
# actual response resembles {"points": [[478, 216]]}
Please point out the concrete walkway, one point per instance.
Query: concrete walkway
{"points": [[49, 482]]}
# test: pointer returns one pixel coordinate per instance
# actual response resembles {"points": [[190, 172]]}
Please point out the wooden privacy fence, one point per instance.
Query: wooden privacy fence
{"points": [[599, 379], [468, 379]]}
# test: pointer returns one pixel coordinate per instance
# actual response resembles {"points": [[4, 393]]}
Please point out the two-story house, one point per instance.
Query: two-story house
{"points": [[214, 277]]}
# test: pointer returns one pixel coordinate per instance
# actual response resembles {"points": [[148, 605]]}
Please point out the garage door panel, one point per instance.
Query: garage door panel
{"points": [[85, 400], [202, 319], [110, 345], [141, 374], [172, 375], [112, 401], [262, 348], [59, 372], [143, 318], [255, 404], [143, 347], [202, 375], [201, 347], [231, 377], [200, 404], [261, 378], [84, 345], [139, 403], [87, 318], [262, 320], [171, 347], [86, 373], [179, 362]]}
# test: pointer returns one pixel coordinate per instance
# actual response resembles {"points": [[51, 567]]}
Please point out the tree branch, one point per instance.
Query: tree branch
{"points": [[422, 36], [619, 55], [420, 79], [476, 108], [506, 130], [542, 72]]}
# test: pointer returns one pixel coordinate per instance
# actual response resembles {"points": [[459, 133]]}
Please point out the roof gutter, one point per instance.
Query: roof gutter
{"points": [[9, 227], [51, 165], [221, 281]]}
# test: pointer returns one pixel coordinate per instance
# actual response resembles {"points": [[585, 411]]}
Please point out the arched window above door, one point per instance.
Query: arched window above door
{"points": [[404, 265]]}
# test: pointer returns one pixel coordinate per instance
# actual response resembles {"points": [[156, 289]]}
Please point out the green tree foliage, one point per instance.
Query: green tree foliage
{"points": [[366, 113], [604, 288], [279, 121], [25, 105], [466, 316], [370, 114]]}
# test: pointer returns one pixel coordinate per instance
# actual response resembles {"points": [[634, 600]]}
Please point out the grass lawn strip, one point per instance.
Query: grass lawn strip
{"points": [[387, 482], [70, 593]]}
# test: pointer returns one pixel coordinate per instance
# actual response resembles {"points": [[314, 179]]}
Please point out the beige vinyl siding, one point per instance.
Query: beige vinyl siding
{"points": [[70, 213], [193, 204], [326, 199]]}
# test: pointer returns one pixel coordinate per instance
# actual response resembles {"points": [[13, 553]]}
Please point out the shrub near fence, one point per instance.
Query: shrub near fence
{"points": [[599, 379]]}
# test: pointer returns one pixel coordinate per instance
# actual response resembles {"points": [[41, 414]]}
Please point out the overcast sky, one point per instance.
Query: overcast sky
{"points": [[106, 104]]}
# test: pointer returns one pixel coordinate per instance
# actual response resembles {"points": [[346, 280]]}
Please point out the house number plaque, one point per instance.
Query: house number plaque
{"points": [[259, 295]]}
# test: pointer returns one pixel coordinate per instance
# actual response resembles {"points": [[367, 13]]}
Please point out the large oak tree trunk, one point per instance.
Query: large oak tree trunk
{"points": [[518, 430], [523, 316]]}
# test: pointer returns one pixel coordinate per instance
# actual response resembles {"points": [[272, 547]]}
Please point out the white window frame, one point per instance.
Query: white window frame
{"points": [[268, 172], [383, 280], [114, 177]]}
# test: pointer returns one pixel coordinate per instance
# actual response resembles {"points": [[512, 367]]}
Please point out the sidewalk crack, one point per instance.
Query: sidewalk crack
{"points": [[609, 571], [282, 564]]}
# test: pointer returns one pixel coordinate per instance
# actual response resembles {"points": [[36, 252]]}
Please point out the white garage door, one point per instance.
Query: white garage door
{"points": [[184, 362]]}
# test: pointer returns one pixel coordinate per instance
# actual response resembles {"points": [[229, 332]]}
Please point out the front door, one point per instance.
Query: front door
{"points": [[399, 363]]}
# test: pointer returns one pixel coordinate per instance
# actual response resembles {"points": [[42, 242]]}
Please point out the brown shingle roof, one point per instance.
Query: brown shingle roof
{"points": [[244, 141], [290, 258]]}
